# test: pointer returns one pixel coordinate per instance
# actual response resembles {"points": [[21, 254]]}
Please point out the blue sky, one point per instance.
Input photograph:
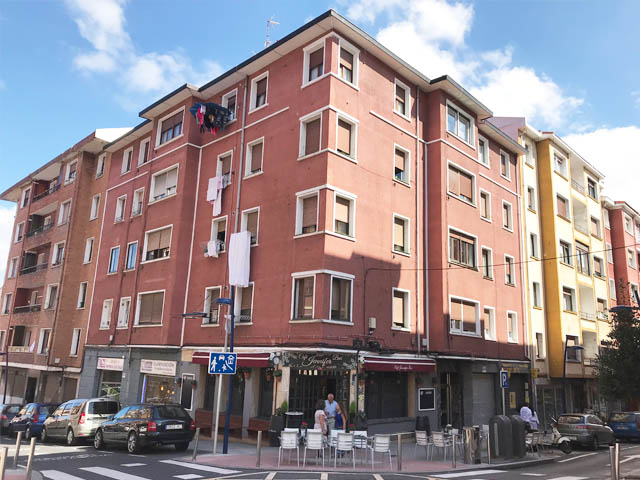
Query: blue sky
{"points": [[69, 67]]}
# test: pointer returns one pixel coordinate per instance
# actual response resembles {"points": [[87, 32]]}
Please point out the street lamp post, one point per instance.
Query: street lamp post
{"points": [[6, 374], [564, 373]]}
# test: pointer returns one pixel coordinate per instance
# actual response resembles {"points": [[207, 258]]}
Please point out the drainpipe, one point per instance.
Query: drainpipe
{"points": [[425, 246], [417, 227]]}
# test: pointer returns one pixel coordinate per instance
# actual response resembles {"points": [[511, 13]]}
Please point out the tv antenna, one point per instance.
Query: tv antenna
{"points": [[270, 22]]}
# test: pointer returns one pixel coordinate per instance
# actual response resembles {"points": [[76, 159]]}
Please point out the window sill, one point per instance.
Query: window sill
{"points": [[99, 176], [127, 270], [507, 229], [310, 234], [147, 326], [125, 172], [209, 325], [490, 338], [505, 177], [57, 265], [69, 182], [532, 210], [343, 155], [87, 263], [467, 202], [464, 334], [158, 200], [159, 145], [352, 85], [112, 273], [242, 324], [339, 235], [255, 109], [570, 312], [144, 262], [452, 262], [122, 327], [305, 320], [540, 359], [251, 175], [566, 264], [103, 328], [93, 218], [402, 115], [80, 308], [530, 165], [535, 257], [400, 329], [535, 307], [402, 182], [596, 237], [404, 254], [513, 342], [118, 220], [468, 144], [487, 278], [563, 218], [338, 322], [510, 284], [306, 83], [561, 175], [312, 154]]}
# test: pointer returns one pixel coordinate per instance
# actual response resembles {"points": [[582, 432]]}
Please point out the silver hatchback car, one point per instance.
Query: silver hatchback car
{"points": [[78, 419], [585, 429]]}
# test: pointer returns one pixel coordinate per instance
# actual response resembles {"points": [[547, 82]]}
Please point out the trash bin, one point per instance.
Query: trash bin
{"points": [[293, 419], [471, 445], [500, 437], [518, 435], [423, 425]]}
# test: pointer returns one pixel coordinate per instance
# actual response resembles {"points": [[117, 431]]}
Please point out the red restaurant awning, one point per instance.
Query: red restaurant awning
{"points": [[244, 359], [395, 364]]}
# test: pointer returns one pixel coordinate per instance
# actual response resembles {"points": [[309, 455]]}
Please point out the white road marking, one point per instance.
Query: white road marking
{"points": [[575, 458], [377, 477], [533, 474], [204, 468], [270, 476], [569, 478], [324, 476], [469, 474], [57, 475], [629, 457], [133, 464], [188, 476], [110, 473]]}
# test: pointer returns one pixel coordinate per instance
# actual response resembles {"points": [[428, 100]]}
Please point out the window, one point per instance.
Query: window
{"points": [[26, 195], [462, 249], [170, 127], [568, 298], [512, 327], [537, 300], [64, 213], [75, 341], [459, 124], [463, 316], [400, 234], [244, 304], [105, 319], [598, 267], [505, 165], [346, 137], [43, 341], [507, 216], [58, 254], [509, 273], [565, 253], [132, 251], [400, 311], [533, 243], [3, 339], [560, 165], [229, 102], [303, 296], [628, 224], [19, 232], [70, 174], [601, 309], [595, 227], [531, 198], [592, 188], [573, 354], [143, 152], [483, 151], [150, 308], [489, 317], [562, 205], [157, 244], [138, 200], [163, 184], [250, 222], [460, 184], [88, 250], [259, 91], [605, 215], [121, 203], [254, 157], [633, 290], [612, 288], [51, 298], [127, 160], [211, 308], [100, 166], [21, 336], [6, 303], [609, 250], [307, 214], [402, 99], [310, 135], [82, 295], [341, 299], [582, 259], [13, 268], [113, 259], [219, 233], [401, 165], [344, 216], [224, 166], [314, 62], [631, 258], [95, 205], [485, 205], [123, 312], [487, 263], [348, 66], [539, 346]]}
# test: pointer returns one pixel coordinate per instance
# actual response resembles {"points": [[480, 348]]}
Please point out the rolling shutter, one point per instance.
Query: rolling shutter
{"points": [[344, 137], [256, 157], [312, 139], [309, 214]]}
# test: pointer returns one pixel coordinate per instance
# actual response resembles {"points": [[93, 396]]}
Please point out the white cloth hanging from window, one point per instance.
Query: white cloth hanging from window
{"points": [[239, 258], [212, 249], [214, 194]]}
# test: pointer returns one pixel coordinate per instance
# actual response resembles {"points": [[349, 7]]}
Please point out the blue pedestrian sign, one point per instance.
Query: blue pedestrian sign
{"points": [[222, 363], [504, 379]]}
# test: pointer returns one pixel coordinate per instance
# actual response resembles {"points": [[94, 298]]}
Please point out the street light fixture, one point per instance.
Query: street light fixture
{"points": [[564, 372]]}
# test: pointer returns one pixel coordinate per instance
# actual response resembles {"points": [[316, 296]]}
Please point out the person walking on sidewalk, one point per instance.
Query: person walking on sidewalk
{"points": [[320, 418], [330, 408], [340, 423]]}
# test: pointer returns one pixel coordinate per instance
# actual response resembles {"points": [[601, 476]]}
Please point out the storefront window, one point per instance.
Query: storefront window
{"points": [[110, 384], [159, 389], [386, 395], [186, 393]]}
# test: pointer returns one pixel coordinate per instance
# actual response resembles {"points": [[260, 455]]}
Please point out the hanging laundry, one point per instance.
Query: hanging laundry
{"points": [[239, 259], [211, 117], [214, 194], [212, 249]]}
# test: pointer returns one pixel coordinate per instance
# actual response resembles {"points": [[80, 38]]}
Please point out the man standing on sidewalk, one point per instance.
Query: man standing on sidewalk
{"points": [[330, 406]]}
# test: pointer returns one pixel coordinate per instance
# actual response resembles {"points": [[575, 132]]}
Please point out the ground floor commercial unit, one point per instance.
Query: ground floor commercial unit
{"points": [[28, 384]]}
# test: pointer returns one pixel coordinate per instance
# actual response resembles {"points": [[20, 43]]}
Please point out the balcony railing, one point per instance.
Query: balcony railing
{"points": [[587, 316], [581, 228], [603, 316], [577, 186], [27, 309], [590, 362], [40, 230], [47, 192], [34, 269], [19, 348]]}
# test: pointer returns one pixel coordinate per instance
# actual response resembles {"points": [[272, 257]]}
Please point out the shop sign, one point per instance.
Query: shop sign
{"points": [[158, 367], [319, 361], [516, 367], [106, 363], [534, 373]]}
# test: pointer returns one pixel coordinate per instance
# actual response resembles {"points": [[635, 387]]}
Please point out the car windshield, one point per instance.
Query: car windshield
{"points": [[172, 411], [46, 409], [623, 417], [102, 408], [13, 409], [571, 419]]}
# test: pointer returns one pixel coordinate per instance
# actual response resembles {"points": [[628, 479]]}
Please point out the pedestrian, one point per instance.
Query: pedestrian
{"points": [[330, 406], [535, 422], [320, 418], [340, 423], [526, 415]]}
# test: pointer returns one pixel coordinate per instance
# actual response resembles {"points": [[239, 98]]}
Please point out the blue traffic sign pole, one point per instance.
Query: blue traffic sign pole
{"points": [[225, 444], [504, 384]]}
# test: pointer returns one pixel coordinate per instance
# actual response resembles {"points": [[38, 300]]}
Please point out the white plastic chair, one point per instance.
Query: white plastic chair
{"points": [[344, 444], [332, 441], [459, 441], [360, 441], [381, 444], [422, 440], [289, 441], [440, 441], [314, 442]]}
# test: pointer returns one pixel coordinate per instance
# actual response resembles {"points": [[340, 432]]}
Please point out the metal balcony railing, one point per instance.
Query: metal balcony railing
{"points": [[581, 228], [577, 186], [40, 230], [590, 362], [27, 309], [34, 269], [603, 315], [587, 316], [47, 192]]}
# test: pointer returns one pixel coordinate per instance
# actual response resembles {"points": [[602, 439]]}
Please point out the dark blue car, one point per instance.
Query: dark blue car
{"points": [[625, 425], [30, 419]]}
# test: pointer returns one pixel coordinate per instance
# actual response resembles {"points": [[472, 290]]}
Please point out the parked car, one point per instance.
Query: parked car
{"points": [[30, 418], [78, 419], [142, 425], [625, 425], [7, 412], [585, 429]]}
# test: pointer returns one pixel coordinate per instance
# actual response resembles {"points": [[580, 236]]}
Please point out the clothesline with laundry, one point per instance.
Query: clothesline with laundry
{"points": [[211, 117]]}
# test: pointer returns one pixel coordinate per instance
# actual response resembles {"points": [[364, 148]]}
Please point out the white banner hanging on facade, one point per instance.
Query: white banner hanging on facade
{"points": [[239, 259]]}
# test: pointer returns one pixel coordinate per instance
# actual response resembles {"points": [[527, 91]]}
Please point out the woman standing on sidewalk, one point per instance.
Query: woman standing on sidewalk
{"points": [[320, 418]]}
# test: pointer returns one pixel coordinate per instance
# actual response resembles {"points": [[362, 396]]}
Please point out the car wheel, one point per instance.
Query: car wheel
{"points": [[71, 438], [98, 440], [27, 433], [565, 447], [182, 446], [132, 443], [594, 443], [44, 435]]}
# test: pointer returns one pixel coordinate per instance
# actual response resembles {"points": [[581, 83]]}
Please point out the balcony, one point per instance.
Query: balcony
{"points": [[603, 316], [587, 316], [46, 193], [34, 269], [40, 230], [27, 309], [577, 186], [590, 362], [19, 349]]}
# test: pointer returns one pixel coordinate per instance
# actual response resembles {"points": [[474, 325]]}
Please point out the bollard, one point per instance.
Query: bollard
{"points": [[17, 454], [399, 452], [258, 448], [617, 455], [453, 450], [612, 461], [489, 448], [32, 448], [195, 447], [3, 461]]}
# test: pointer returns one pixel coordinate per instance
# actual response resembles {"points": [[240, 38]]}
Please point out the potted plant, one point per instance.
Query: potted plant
{"points": [[277, 374], [268, 374]]}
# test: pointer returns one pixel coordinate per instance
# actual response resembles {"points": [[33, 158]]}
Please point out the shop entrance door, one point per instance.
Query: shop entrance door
{"points": [[451, 400], [306, 387], [30, 391]]}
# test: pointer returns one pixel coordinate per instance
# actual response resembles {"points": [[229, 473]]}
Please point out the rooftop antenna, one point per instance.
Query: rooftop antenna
{"points": [[270, 22]]}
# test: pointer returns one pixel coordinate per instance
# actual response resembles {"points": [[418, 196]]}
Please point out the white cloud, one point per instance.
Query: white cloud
{"points": [[636, 98], [7, 215]]}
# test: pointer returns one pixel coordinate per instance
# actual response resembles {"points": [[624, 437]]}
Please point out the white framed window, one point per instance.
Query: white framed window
{"points": [[612, 289], [88, 250], [164, 184], [344, 215], [95, 207], [464, 316], [348, 63], [229, 101], [127, 160], [157, 243], [219, 233], [313, 64], [123, 312], [105, 317], [303, 298], [483, 151], [531, 198], [401, 234], [595, 227], [26, 195], [144, 150], [70, 173], [138, 201], [310, 134], [307, 213], [100, 166], [540, 351], [341, 299], [58, 254], [244, 304], [487, 263], [64, 214], [633, 291], [512, 327], [592, 188], [259, 88], [19, 235], [598, 267], [132, 254], [459, 123], [251, 222], [402, 99], [505, 165], [51, 297], [12, 272], [401, 164], [536, 294], [400, 314], [346, 134], [509, 270], [529, 158], [170, 127], [507, 216], [121, 205], [560, 165], [114, 256], [566, 256], [461, 184], [6, 303], [211, 308], [533, 245], [3, 338], [631, 258], [605, 216], [82, 295], [628, 224], [255, 156], [462, 248], [609, 250], [150, 308], [75, 342], [489, 317], [224, 166], [568, 299], [43, 341]]}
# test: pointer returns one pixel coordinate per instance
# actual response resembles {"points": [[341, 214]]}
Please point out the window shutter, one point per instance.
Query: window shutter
{"points": [[256, 157], [487, 319], [468, 317], [346, 59], [146, 308], [160, 184], [172, 121], [398, 309], [316, 59], [344, 137], [157, 300], [307, 292], [454, 181], [483, 206], [145, 154], [261, 87], [312, 140], [400, 99], [398, 233], [466, 186], [562, 206], [252, 223], [172, 178], [342, 210], [309, 212], [153, 241], [456, 311], [226, 164], [400, 159], [165, 238], [247, 297]]}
